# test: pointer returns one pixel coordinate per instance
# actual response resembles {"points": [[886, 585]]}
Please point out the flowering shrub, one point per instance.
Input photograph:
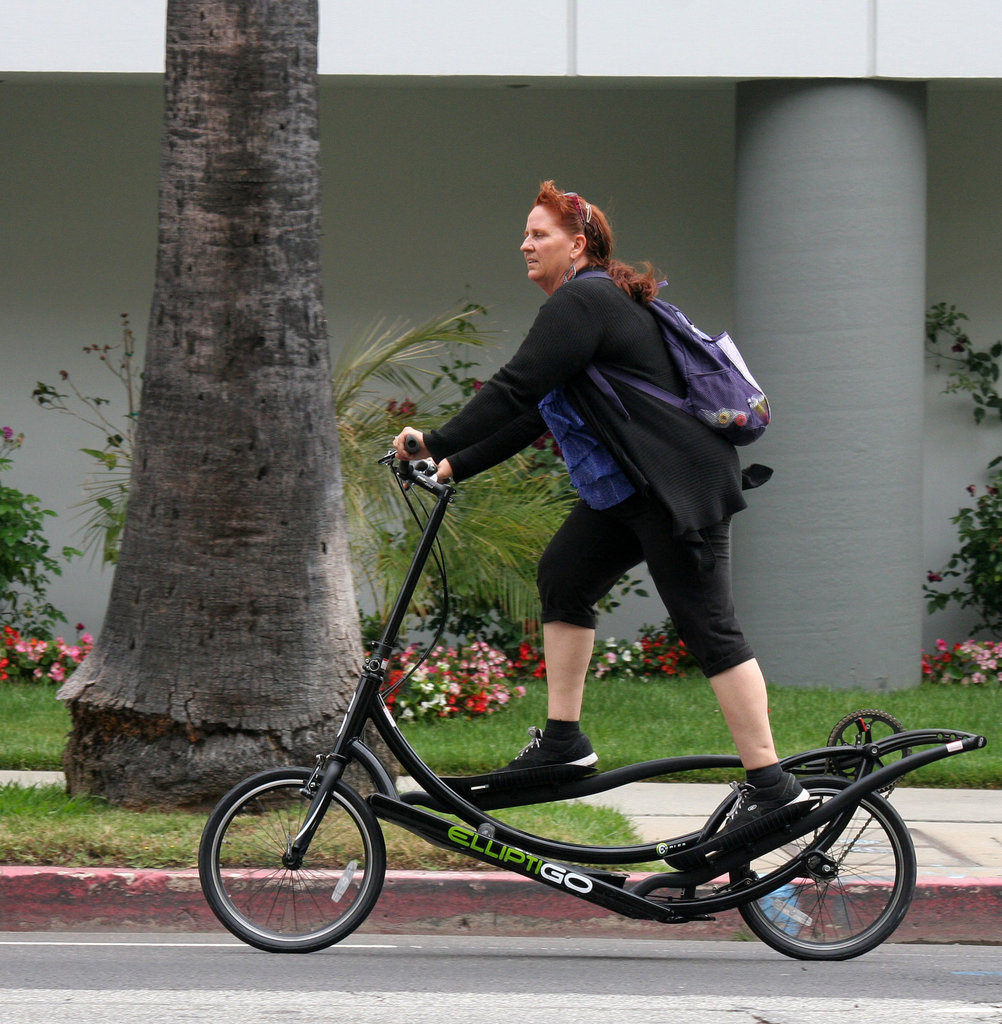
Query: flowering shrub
{"points": [[664, 652], [529, 661], [620, 658], [467, 682], [479, 679], [28, 659], [971, 663], [658, 652]]}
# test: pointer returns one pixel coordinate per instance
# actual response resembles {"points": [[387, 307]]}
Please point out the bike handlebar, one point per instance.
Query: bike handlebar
{"points": [[420, 472]]}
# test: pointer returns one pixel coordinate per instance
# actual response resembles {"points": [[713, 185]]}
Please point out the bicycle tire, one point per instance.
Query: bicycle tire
{"points": [[850, 732], [854, 910], [281, 909]]}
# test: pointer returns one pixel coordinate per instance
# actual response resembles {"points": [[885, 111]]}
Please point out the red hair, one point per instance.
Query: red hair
{"points": [[579, 217]]}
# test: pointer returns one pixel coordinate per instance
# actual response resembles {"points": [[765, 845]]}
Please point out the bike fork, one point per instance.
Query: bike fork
{"points": [[330, 767], [320, 786]]}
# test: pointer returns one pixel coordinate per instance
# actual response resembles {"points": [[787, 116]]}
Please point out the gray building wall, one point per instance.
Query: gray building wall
{"points": [[427, 187]]}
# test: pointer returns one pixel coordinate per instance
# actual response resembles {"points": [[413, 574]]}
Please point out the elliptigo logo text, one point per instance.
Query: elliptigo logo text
{"points": [[513, 857]]}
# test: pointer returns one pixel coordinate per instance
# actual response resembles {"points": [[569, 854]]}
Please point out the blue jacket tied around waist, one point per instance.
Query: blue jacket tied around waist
{"points": [[594, 472]]}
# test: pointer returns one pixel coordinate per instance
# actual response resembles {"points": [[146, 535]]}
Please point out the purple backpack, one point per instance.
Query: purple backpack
{"points": [[720, 389]]}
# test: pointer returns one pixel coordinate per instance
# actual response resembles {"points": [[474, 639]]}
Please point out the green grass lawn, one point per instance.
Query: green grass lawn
{"points": [[42, 825], [33, 728], [640, 721], [627, 722]]}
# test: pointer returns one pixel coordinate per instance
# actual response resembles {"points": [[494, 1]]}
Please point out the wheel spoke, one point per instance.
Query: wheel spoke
{"points": [[844, 915], [280, 908]]}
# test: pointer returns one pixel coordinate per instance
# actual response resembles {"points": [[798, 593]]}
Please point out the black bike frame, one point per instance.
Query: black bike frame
{"points": [[557, 864]]}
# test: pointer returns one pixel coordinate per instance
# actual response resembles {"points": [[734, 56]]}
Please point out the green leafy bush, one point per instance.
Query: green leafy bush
{"points": [[106, 494], [26, 565], [977, 565], [975, 371]]}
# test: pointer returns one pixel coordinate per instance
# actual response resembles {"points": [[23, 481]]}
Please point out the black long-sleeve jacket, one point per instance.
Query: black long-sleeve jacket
{"points": [[692, 470]]}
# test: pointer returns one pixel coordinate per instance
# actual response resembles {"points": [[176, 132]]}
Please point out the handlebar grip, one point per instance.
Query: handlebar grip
{"points": [[412, 444]]}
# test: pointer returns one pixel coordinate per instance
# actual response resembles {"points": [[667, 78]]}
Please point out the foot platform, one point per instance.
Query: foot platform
{"points": [[519, 778], [698, 854]]}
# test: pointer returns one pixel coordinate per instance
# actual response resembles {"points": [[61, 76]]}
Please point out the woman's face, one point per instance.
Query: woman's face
{"points": [[548, 249]]}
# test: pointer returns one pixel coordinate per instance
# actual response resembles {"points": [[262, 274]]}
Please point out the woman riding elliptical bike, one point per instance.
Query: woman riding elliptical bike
{"points": [[657, 486]]}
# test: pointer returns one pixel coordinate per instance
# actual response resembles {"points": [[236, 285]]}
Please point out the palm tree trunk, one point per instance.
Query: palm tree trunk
{"points": [[232, 631]]}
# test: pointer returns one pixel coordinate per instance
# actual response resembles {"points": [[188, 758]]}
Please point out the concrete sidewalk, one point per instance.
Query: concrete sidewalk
{"points": [[957, 835], [957, 832]]}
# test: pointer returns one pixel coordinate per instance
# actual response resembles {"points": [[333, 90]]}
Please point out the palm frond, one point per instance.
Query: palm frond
{"points": [[102, 510], [398, 356], [504, 517]]}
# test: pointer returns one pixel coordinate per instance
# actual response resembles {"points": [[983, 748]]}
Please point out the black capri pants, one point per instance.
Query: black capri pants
{"points": [[594, 549]]}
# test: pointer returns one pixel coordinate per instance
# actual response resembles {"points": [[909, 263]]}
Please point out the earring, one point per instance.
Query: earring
{"points": [[571, 273]]}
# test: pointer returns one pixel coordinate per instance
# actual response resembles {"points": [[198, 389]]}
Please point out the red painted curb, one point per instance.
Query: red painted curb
{"points": [[447, 902]]}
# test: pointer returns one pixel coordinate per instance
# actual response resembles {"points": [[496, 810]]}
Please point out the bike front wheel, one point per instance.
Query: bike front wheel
{"points": [[269, 904], [855, 889]]}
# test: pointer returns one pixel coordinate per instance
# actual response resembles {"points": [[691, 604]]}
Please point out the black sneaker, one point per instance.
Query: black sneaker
{"points": [[548, 760], [759, 810]]}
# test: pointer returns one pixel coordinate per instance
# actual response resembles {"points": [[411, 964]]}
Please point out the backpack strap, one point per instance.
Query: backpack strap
{"points": [[603, 370], [597, 378], [599, 372], [590, 272]]}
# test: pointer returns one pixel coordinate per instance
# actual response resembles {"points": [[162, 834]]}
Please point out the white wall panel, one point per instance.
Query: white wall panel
{"points": [[930, 39], [445, 37], [556, 38], [82, 35], [729, 38]]}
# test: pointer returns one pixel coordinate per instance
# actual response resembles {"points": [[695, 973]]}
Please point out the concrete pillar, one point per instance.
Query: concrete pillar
{"points": [[829, 308]]}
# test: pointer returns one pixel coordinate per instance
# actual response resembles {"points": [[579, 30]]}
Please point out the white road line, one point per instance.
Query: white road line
{"points": [[68, 1006], [165, 945]]}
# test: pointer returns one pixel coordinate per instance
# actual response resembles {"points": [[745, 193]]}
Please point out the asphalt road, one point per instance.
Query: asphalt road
{"points": [[73, 978]]}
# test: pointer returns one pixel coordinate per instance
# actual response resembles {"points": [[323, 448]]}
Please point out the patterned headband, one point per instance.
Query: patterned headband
{"points": [[583, 214]]}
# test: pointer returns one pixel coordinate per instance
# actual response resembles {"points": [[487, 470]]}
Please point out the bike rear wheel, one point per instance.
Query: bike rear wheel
{"points": [[290, 909], [851, 897]]}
